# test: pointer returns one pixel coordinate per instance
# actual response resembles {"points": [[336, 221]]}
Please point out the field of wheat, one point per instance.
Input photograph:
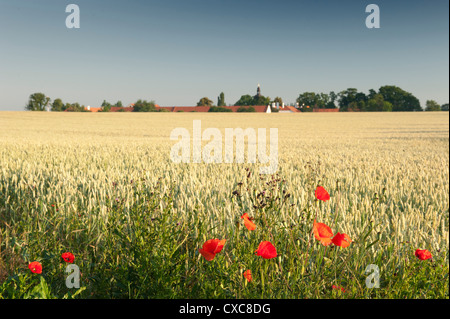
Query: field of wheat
{"points": [[103, 187]]}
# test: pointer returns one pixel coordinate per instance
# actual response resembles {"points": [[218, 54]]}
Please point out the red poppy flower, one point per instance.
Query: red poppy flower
{"points": [[341, 240], [338, 288], [211, 248], [266, 250], [423, 254], [35, 267], [322, 194], [68, 257], [248, 222], [248, 275], [322, 233]]}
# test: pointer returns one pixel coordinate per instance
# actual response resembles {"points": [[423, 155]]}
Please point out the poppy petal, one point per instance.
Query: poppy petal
{"points": [[322, 194], [338, 288], [68, 257], [245, 216], [208, 255], [35, 267], [249, 224], [266, 250], [325, 241], [322, 233], [342, 240], [219, 246], [248, 275], [210, 245], [423, 254]]}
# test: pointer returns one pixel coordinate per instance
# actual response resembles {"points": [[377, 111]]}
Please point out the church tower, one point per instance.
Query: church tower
{"points": [[258, 91]]}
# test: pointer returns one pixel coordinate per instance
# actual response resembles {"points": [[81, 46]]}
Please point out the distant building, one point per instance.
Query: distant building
{"points": [[288, 109], [92, 109]]}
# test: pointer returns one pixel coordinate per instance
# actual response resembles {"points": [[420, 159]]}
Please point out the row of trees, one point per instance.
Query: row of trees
{"points": [[386, 99], [432, 105], [40, 102], [389, 98], [138, 106]]}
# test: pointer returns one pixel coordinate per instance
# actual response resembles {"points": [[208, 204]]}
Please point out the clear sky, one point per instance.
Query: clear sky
{"points": [[177, 51]]}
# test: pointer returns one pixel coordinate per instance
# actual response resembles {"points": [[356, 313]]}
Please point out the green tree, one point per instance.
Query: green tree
{"points": [[74, 107], [331, 102], [260, 100], [144, 106], [306, 99], [361, 97], [278, 100], [323, 100], [118, 104], [37, 102], [204, 101], [221, 100], [401, 100], [106, 107], [245, 100], [352, 100], [361, 105], [248, 100], [58, 105], [432, 106], [353, 106], [371, 95], [444, 107], [219, 109], [378, 104], [316, 100], [248, 109], [346, 97]]}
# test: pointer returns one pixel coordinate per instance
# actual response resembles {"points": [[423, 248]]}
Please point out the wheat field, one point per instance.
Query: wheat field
{"points": [[388, 170]]}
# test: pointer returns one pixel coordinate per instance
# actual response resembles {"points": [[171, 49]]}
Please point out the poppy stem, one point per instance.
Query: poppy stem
{"points": [[336, 209]]}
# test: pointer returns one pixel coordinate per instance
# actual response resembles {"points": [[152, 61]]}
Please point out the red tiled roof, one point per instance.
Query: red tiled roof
{"points": [[261, 108], [291, 108], [94, 109]]}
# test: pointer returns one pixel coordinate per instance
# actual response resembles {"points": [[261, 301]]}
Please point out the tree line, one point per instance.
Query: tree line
{"points": [[40, 102], [388, 98]]}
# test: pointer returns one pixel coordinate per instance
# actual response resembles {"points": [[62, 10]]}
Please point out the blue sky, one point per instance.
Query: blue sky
{"points": [[176, 52]]}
